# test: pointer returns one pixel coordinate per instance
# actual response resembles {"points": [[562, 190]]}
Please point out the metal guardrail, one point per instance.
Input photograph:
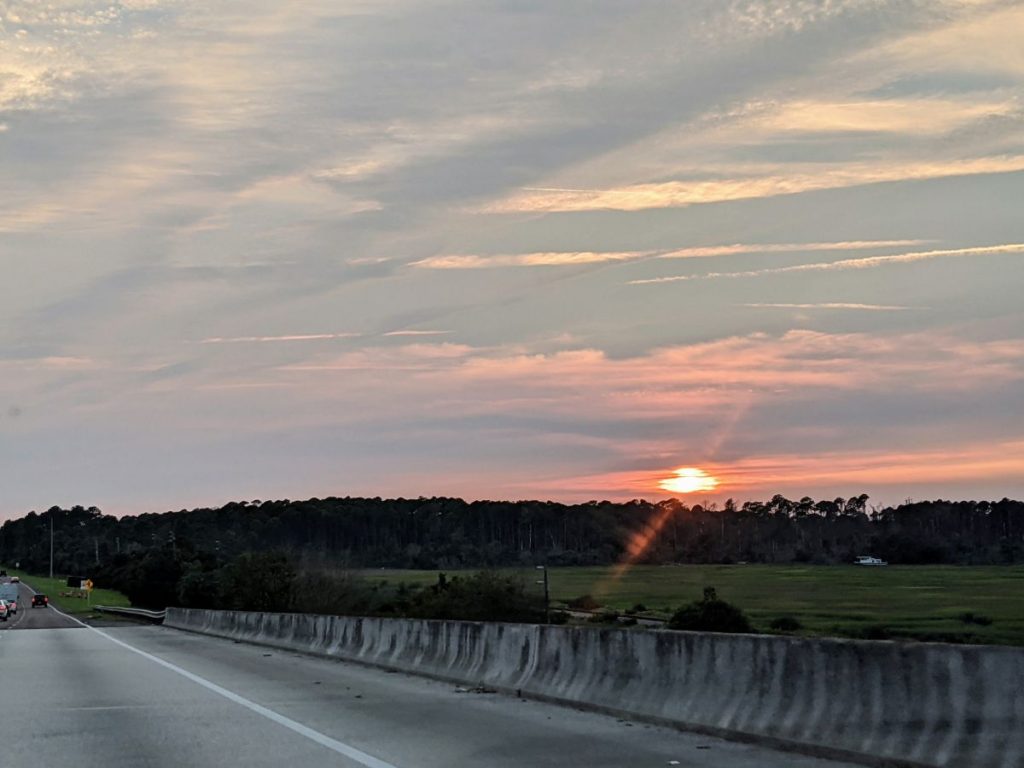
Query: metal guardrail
{"points": [[644, 620], [138, 613]]}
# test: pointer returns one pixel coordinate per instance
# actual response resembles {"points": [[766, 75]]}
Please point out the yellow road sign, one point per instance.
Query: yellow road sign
{"points": [[88, 584]]}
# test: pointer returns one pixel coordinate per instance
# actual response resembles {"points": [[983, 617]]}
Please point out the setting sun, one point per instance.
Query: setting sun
{"points": [[689, 480]]}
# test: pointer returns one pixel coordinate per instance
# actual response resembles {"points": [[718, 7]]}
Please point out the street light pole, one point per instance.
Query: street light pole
{"points": [[547, 595]]}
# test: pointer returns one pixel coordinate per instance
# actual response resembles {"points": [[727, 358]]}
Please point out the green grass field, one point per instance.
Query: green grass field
{"points": [[53, 588], [922, 602]]}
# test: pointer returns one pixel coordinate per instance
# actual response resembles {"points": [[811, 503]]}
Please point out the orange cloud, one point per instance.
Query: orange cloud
{"points": [[704, 380]]}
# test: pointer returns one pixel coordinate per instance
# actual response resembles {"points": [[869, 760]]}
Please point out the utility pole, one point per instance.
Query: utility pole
{"points": [[547, 594]]}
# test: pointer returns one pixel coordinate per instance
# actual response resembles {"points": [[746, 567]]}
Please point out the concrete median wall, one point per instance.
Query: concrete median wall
{"points": [[877, 702]]}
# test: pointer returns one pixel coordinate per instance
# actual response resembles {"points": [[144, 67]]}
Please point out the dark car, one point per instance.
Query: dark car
{"points": [[40, 600]]}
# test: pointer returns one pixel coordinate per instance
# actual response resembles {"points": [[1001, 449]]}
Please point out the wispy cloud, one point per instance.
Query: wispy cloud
{"points": [[416, 333], [291, 337], [576, 258], [739, 248], [676, 194], [834, 305], [867, 262], [549, 259]]}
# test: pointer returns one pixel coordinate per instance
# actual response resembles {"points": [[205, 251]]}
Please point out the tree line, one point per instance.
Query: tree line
{"points": [[449, 533]]}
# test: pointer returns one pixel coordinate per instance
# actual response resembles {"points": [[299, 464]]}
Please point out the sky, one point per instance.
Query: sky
{"points": [[527, 249]]}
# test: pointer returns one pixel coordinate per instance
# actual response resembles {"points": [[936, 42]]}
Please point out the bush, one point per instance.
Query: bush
{"points": [[199, 589], [484, 596], [257, 582], [970, 617], [710, 615], [786, 624], [584, 603], [336, 592], [149, 582], [638, 608]]}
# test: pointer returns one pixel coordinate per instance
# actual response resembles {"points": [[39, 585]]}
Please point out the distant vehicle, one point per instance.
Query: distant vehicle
{"points": [[3, 572], [869, 560], [9, 592], [12, 606], [4, 611], [15, 580], [40, 600]]}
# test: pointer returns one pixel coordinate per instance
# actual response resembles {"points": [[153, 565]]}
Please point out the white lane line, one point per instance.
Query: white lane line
{"points": [[326, 741]]}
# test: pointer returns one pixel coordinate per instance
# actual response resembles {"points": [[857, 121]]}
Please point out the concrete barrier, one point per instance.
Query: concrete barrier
{"points": [[876, 702]]}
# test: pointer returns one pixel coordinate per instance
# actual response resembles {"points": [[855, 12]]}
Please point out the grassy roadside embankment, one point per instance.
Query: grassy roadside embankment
{"points": [[53, 588], [918, 602]]}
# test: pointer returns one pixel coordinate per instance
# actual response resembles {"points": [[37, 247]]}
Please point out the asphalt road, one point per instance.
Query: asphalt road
{"points": [[152, 697], [35, 618]]}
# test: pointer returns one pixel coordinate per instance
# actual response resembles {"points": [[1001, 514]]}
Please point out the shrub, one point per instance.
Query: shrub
{"points": [[337, 592], [970, 617], [584, 603], [638, 608], [484, 596], [260, 581], [786, 624], [710, 614], [199, 589]]}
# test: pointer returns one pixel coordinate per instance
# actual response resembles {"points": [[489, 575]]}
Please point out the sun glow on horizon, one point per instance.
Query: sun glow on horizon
{"points": [[689, 480]]}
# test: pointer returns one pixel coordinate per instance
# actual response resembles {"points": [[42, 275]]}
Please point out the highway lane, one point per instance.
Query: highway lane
{"points": [[36, 618], [152, 696]]}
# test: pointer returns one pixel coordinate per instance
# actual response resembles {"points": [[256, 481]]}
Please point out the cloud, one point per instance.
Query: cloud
{"points": [[675, 383], [261, 339], [551, 259], [738, 248], [875, 471], [919, 116], [429, 358], [577, 258], [57, 363], [674, 194], [982, 41], [866, 262], [834, 305], [208, 201]]}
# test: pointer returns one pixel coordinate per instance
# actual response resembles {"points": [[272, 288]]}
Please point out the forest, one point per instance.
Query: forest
{"points": [[430, 533]]}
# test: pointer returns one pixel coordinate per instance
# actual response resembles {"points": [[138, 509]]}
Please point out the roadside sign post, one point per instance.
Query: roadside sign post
{"points": [[547, 594], [88, 591]]}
